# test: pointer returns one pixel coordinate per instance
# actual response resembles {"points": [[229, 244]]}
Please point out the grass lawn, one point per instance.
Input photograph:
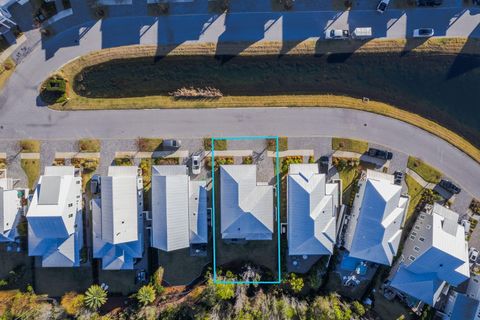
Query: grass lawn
{"points": [[31, 167], [415, 192], [180, 268], [220, 145], [282, 144], [89, 145], [348, 175], [56, 281], [427, 172], [29, 146], [149, 144], [351, 145]]}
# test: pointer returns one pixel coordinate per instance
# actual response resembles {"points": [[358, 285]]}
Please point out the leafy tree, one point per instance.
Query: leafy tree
{"points": [[296, 283], [72, 302], [95, 297], [146, 294], [157, 279], [358, 308]]}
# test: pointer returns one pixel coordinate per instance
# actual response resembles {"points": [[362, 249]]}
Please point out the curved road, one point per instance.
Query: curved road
{"points": [[20, 117]]}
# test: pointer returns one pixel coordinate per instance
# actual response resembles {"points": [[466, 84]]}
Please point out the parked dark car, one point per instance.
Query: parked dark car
{"points": [[449, 186], [398, 177], [429, 3], [381, 154]]}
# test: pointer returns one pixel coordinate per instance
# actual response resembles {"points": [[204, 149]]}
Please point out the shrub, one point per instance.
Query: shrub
{"points": [[146, 294], [247, 160], [157, 280], [29, 146], [54, 90], [166, 161], [123, 161], [287, 161], [149, 144], [56, 85], [311, 159], [358, 308], [9, 64], [95, 297], [475, 206], [89, 145], [219, 161], [220, 145], [295, 283], [72, 302], [196, 93], [282, 144]]}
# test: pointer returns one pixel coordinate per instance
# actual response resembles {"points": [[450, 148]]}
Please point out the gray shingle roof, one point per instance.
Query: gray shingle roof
{"points": [[246, 208], [311, 212]]}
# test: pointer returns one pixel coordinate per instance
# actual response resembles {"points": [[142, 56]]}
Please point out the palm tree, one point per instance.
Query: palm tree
{"points": [[95, 297], [146, 294]]}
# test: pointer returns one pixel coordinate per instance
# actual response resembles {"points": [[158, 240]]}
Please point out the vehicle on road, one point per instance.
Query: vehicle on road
{"points": [[172, 143], [473, 254], [423, 33], [429, 3], [450, 187], [337, 34], [196, 168], [362, 33], [381, 154], [382, 5]]}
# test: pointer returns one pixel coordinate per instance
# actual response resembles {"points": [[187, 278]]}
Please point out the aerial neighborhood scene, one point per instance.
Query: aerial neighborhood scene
{"points": [[240, 159]]}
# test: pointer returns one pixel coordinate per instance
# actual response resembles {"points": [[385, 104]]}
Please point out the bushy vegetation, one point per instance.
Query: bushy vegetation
{"points": [[220, 145], [247, 160], [123, 161], [166, 161], [149, 144], [196, 93], [89, 145], [95, 297], [54, 90], [219, 161], [287, 161], [475, 206], [29, 146], [282, 144]]}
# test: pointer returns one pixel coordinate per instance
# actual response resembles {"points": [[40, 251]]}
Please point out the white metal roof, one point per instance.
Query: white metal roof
{"points": [[120, 205], [246, 207], [178, 208], [170, 227], [311, 212], [378, 211]]}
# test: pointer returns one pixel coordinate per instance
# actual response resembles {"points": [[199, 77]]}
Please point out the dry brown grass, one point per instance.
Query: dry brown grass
{"points": [[437, 45]]}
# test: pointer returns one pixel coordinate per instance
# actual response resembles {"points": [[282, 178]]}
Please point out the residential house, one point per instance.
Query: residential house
{"points": [[246, 206], [435, 254], [179, 209], [55, 226], [463, 304], [312, 206], [11, 209], [375, 224], [118, 219]]}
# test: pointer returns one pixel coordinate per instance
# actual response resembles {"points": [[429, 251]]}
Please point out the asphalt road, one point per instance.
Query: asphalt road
{"points": [[21, 115]]}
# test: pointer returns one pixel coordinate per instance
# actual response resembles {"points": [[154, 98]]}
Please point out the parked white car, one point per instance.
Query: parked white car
{"points": [[337, 34], [473, 255], [382, 5], [423, 33], [196, 167]]}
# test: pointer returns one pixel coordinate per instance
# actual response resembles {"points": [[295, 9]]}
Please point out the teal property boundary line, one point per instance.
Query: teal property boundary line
{"points": [[278, 193]]}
